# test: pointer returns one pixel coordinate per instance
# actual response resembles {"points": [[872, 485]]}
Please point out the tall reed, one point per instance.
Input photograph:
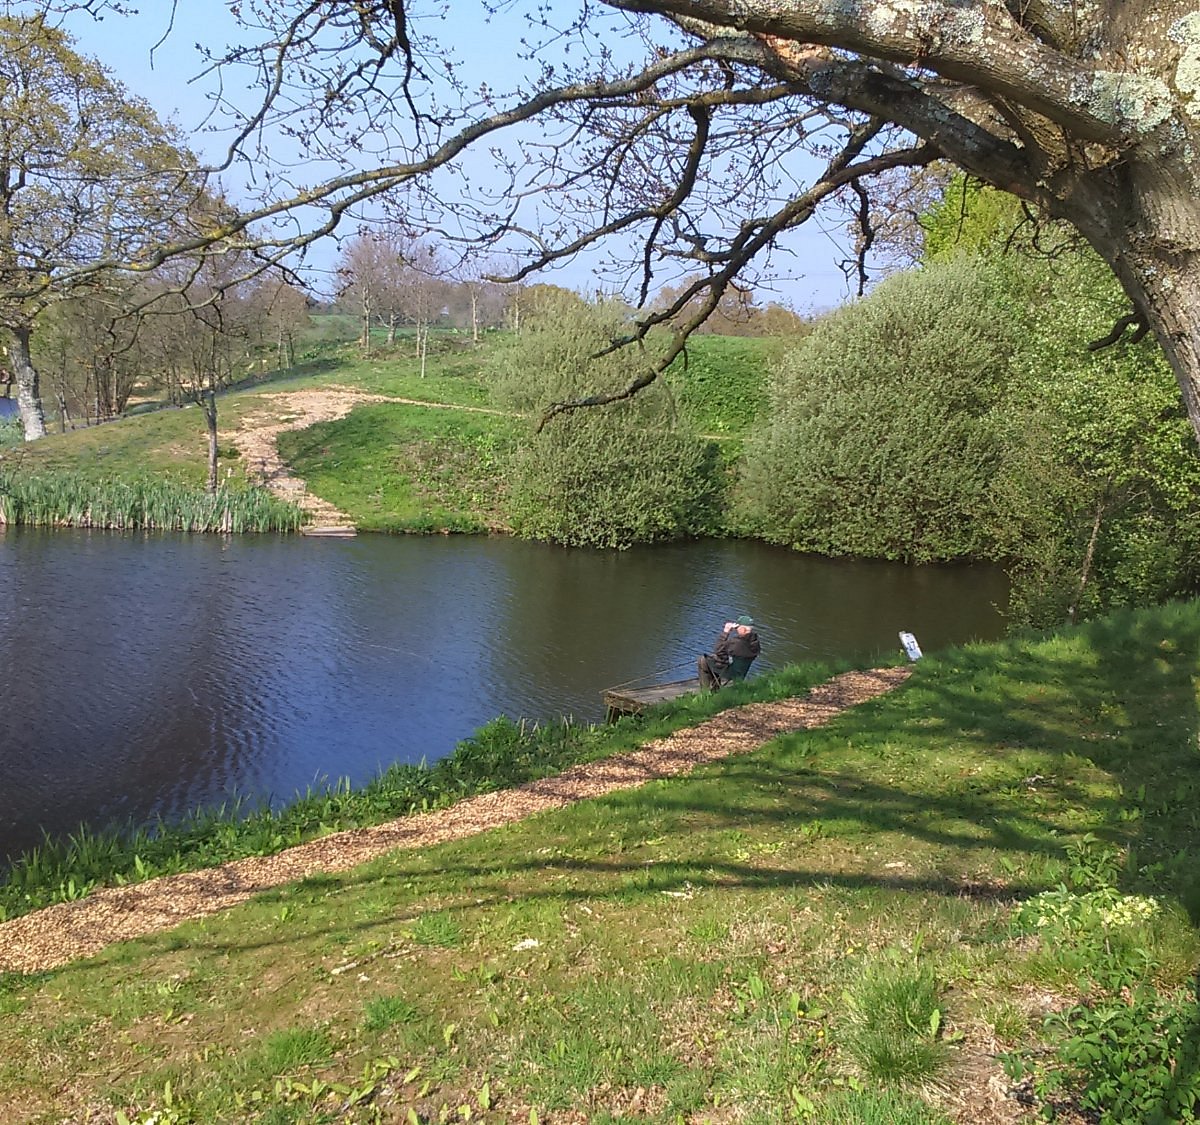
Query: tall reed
{"points": [[62, 499]]}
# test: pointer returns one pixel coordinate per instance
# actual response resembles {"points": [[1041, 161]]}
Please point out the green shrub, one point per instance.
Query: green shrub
{"points": [[600, 476], [1126, 1058], [881, 441], [589, 481]]}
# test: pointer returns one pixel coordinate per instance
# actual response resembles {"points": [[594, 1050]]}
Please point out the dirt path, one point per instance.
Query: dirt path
{"points": [[256, 441], [62, 933]]}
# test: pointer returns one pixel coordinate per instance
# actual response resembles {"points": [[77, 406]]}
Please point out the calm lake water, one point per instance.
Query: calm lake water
{"points": [[153, 675]]}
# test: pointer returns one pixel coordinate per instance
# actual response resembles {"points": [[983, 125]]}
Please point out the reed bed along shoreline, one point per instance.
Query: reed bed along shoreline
{"points": [[60, 499]]}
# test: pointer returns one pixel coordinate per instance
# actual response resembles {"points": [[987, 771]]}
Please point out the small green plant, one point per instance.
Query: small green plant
{"points": [[286, 1051], [1102, 936], [1124, 1058], [853, 1105], [440, 929], [1009, 1022], [1092, 864], [895, 1029], [170, 1111], [709, 931], [750, 993], [383, 1012]]}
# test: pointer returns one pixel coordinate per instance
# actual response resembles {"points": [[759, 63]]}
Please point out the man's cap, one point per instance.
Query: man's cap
{"points": [[745, 620]]}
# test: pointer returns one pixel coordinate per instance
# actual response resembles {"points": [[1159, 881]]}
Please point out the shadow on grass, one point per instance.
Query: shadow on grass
{"points": [[1114, 700], [1004, 750], [1119, 694]]}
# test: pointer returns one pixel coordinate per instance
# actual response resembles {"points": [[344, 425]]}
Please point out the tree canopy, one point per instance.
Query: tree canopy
{"points": [[91, 184], [679, 124]]}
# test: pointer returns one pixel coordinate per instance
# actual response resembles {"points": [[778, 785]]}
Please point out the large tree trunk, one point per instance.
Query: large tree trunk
{"points": [[1145, 222], [1157, 260], [1170, 298], [29, 394]]}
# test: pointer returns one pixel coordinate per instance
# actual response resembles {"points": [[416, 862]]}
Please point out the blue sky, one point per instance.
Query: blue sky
{"points": [[159, 62]]}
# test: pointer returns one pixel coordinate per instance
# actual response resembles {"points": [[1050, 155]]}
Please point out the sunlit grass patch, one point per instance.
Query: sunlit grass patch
{"points": [[394, 467], [849, 1106], [895, 1025], [289, 1052], [441, 929], [384, 1012]]}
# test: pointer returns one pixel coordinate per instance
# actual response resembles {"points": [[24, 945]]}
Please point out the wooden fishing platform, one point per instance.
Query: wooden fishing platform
{"points": [[634, 700], [340, 532]]}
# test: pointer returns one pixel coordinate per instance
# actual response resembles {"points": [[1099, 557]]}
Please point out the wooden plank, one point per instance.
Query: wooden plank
{"points": [[633, 701], [330, 532]]}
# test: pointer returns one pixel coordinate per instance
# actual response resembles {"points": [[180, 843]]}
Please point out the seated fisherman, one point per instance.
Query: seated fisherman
{"points": [[734, 652]]}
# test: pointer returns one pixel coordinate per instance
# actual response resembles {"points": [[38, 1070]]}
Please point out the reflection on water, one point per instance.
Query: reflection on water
{"points": [[145, 675]]}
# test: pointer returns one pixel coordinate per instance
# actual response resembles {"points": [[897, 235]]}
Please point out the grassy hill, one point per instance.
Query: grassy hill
{"points": [[391, 466], [860, 923]]}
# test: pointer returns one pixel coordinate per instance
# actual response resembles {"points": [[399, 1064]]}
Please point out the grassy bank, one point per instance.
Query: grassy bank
{"points": [[393, 466], [503, 753], [861, 923], [406, 468]]}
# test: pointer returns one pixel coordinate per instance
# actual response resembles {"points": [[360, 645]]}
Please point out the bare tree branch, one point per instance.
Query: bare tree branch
{"points": [[1133, 320], [755, 236]]}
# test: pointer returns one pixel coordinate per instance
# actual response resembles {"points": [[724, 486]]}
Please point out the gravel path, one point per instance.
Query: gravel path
{"points": [[58, 934]]}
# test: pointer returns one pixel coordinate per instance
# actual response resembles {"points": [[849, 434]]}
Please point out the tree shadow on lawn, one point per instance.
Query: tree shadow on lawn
{"points": [[941, 762], [1118, 695], [1105, 714]]}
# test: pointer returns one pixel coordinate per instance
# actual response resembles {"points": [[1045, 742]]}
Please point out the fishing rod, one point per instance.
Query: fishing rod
{"points": [[653, 675]]}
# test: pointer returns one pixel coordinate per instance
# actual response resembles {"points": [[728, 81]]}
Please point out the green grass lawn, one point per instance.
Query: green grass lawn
{"points": [[721, 382], [170, 442], [173, 440], [453, 371], [849, 924], [393, 467]]}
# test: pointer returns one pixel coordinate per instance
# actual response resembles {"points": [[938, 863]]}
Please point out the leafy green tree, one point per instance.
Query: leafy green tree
{"points": [[959, 412], [970, 219], [88, 174], [1101, 480], [1105, 489], [630, 473]]}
